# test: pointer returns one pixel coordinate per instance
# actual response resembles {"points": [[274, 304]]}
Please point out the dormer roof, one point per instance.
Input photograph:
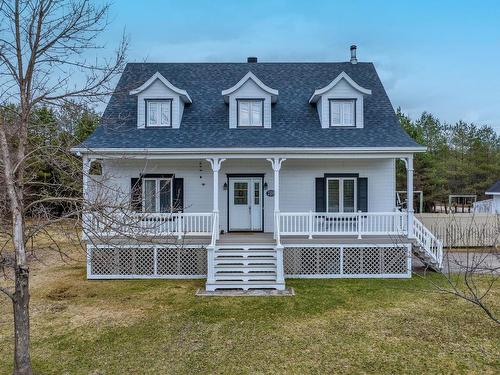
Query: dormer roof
{"points": [[343, 75], [157, 76], [273, 92]]}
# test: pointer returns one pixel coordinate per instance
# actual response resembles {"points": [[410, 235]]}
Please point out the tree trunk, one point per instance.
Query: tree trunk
{"points": [[22, 361]]}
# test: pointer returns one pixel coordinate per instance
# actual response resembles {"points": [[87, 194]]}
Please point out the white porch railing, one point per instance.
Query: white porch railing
{"points": [[334, 223], [150, 224], [432, 246]]}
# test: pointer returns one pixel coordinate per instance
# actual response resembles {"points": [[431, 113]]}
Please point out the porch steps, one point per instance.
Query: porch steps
{"points": [[245, 266], [426, 257]]}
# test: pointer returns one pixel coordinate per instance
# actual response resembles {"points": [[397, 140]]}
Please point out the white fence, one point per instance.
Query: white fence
{"points": [[330, 223], [464, 230], [127, 223]]}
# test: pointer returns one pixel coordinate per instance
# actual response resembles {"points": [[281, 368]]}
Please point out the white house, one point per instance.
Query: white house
{"points": [[261, 171], [494, 191]]}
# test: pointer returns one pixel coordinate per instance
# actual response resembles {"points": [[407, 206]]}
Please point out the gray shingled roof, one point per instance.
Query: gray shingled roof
{"points": [[495, 188], [295, 122]]}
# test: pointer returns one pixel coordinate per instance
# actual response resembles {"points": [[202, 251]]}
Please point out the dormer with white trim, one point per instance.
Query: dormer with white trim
{"points": [[250, 103], [340, 103], [160, 104]]}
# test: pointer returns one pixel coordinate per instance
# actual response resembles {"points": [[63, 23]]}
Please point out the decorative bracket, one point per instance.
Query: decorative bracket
{"points": [[215, 163], [276, 163]]}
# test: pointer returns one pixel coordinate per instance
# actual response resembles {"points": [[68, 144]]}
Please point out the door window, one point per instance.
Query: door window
{"points": [[240, 193]]}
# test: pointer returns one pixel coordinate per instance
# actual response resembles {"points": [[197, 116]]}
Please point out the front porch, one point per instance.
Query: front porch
{"points": [[315, 216]]}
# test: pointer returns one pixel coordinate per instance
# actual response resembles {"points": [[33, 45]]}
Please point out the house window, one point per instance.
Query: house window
{"points": [[158, 113], [341, 194], [342, 112], [157, 195], [250, 112]]}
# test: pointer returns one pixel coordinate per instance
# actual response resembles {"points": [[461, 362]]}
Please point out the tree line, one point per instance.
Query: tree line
{"points": [[461, 158]]}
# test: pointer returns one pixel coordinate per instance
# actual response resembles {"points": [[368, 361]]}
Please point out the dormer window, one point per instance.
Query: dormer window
{"points": [[340, 103], [342, 112], [250, 102], [250, 112], [160, 104], [158, 113]]}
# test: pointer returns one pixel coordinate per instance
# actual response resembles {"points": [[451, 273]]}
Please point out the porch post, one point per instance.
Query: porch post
{"points": [[216, 164], [409, 194], [85, 187], [276, 165]]}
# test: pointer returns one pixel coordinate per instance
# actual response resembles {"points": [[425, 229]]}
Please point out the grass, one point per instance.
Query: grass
{"points": [[330, 326]]}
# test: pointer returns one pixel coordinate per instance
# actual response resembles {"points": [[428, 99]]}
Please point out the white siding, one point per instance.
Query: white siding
{"points": [[157, 90], [297, 179], [342, 90], [249, 90]]}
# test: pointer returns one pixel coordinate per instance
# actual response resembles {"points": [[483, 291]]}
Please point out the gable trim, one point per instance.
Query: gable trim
{"points": [[258, 82], [317, 93], [182, 93]]}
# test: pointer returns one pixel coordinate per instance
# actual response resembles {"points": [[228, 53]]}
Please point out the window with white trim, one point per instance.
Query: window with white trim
{"points": [[342, 112], [157, 194], [250, 112], [158, 112], [341, 194]]}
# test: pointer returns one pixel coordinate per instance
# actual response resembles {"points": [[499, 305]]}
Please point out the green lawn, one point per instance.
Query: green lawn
{"points": [[330, 326]]}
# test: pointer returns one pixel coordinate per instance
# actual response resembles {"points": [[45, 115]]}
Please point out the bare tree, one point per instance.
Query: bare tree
{"points": [[49, 55], [471, 261]]}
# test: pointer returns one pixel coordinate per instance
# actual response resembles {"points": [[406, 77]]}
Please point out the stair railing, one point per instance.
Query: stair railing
{"points": [[428, 241]]}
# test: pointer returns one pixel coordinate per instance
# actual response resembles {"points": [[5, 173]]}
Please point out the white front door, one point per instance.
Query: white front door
{"points": [[245, 203]]}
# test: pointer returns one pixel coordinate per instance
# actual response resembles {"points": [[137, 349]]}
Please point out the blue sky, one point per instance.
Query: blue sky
{"points": [[439, 56]]}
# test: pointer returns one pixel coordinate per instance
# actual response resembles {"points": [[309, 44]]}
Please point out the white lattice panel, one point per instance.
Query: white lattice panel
{"points": [[312, 260], [347, 261], [116, 262]]}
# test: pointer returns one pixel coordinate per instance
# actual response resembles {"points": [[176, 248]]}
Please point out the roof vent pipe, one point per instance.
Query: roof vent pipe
{"points": [[354, 60], [251, 59]]}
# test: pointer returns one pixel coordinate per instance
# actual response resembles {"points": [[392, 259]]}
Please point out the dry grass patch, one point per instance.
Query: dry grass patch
{"points": [[330, 326]]}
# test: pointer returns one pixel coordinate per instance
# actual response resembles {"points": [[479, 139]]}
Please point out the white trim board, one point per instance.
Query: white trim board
{"points": [[182, 93]]}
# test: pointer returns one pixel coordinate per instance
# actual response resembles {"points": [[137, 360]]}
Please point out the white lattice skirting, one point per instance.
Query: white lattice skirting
{"points": [[347, 261], [300, 261], [146, 262]]}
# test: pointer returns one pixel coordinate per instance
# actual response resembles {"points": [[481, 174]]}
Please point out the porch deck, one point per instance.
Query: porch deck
{"points": [[267, 238]]}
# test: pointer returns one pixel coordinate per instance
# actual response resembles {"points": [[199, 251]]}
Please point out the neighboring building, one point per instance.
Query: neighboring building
{"points": [[492, 205], [273, 170], [494, 191]]}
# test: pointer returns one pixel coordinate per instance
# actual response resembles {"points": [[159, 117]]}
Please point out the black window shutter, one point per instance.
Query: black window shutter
{"points": [[178, 194], [320, 194], [363, 194], [136, 194]]}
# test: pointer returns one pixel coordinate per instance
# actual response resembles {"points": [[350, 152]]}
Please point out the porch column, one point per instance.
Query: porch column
{"points": [[409, 194], [276, 165], [216, 164], [87, 161]]}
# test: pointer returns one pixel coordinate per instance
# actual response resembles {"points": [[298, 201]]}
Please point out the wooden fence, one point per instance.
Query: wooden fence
{"points": [[464, 230]]}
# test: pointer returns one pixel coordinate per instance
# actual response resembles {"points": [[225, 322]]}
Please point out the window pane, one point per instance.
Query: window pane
{"points": [[240, 193], [150, 196], [244, 115], [333, 196], [348, 113], [256, 193], [256, 113], [165, 113], [335, 113], [152, 113], [348, 195], [165, 197]]}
